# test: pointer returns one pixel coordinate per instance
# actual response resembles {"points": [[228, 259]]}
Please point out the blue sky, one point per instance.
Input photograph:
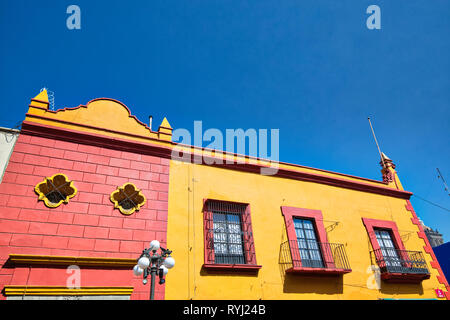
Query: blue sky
{"points": [[310, 68]]}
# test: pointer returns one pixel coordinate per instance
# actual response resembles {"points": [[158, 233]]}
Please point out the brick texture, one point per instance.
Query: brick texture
{"points": [[88, 225]]}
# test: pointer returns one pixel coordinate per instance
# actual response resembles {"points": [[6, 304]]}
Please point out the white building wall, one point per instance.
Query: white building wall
{"points": [[8, 138]]}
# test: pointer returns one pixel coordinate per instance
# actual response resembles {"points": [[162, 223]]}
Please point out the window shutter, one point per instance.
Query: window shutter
{"points": [[208, 232], [249, 246]]}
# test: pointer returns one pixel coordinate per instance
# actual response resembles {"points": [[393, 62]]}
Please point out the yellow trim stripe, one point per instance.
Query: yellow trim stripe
{"points": [[64, 291], [66, 260]]}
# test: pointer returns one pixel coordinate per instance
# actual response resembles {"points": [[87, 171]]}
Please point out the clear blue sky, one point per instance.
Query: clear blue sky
{"points": [[310, 68]]}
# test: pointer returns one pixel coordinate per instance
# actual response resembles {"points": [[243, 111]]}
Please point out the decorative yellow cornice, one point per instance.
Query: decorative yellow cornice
{"points": [[103, 116], [10, 290], [26, 259]]}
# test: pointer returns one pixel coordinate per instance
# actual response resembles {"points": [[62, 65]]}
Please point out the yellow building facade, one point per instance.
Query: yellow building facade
{"points": [[349, 211]]}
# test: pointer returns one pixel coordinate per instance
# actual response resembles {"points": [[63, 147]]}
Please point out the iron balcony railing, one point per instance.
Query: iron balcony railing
{"points": [[312, 254], [400, 261]]}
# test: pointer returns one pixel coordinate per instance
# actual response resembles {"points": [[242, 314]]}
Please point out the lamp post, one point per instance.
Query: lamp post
{"points": [[151, 262]]}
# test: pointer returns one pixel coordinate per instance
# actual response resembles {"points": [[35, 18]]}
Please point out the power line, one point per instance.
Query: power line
{"points": [[442, 178], [434, 204]]}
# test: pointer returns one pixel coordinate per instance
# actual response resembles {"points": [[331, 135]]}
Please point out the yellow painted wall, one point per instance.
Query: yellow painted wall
{"points": [[191, 183]]}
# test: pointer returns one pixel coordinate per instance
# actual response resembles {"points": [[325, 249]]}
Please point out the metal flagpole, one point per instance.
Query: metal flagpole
{"points": [[379, 151]]}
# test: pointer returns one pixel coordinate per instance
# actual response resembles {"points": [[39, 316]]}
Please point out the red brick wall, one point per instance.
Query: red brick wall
{"points": [[88, 225]]}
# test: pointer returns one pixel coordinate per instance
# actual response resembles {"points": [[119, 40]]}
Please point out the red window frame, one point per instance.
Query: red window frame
{"points": [[248, 241], [391, 226], [372, 224], [289, 213]]}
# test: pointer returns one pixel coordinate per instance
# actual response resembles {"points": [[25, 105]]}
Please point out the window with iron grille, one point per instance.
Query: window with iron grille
{"points": [[388, 249], [228, 233], [308, 247], [307, 243], [396, 263]]}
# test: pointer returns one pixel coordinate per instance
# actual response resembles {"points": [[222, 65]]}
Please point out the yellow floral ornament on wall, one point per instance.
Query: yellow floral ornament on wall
{"points": [[127, 198], [55, 190]]}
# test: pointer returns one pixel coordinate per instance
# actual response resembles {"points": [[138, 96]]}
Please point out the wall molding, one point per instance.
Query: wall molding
{"points": [[12, 290], [25, 259]]}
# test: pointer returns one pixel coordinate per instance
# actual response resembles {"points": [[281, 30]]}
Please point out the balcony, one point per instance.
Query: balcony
{"points": [[330, 259], [401, 265]]}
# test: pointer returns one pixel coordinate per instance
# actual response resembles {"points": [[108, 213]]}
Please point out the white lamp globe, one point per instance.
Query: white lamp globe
{"points": [[154, 245], [169, 262], [137, 270], [165, 270], [143, 262]]}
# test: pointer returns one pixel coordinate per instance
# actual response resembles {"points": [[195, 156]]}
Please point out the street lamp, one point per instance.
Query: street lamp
{"points": [[151, 262]]}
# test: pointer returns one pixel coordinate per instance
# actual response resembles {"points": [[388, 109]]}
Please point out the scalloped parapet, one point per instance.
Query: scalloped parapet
{"points": [[103, 116]]}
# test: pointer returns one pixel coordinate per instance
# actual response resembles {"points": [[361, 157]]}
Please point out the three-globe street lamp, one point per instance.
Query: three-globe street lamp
{"points": [[151, 262]]}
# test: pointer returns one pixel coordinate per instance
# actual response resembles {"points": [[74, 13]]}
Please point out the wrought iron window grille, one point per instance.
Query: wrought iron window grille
{"points": [[332, 257], [228, 234]]}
